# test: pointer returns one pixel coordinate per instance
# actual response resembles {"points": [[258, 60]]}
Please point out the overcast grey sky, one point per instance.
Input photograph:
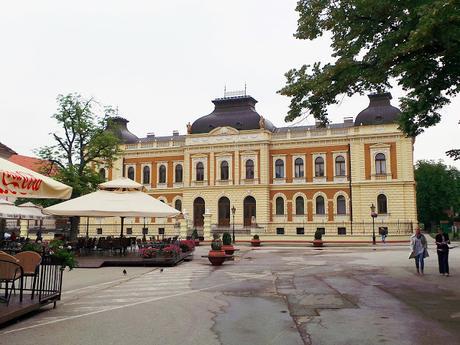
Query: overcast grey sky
{"points": [[161, 63]]}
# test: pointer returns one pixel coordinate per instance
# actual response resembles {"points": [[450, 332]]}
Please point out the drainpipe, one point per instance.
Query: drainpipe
{"points": [[349, 183]]}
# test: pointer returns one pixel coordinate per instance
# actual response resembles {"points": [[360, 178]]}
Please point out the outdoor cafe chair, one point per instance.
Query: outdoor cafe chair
{"points": [[10, 271], [30, 262]]}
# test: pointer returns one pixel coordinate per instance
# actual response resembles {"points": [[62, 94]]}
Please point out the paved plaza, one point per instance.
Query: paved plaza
{"points": [[271, 295]]}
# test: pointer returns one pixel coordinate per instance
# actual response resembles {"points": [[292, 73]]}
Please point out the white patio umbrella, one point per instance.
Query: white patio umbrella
{"points": [[9, 211], [17, 181], [32, 212], [118, 198]]}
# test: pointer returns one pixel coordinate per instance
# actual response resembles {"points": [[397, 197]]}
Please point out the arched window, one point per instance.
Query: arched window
{"points": [[320, 209], [102, 173], [131, 173], [380, 164], [319, 167], [279, 168], [341, 205], [146, 175], [199, 171], [178, 205], [249, 169], [224, 170], [339, 166], [162, 174], [298, 167], [382, 204], [178, 173], [279, 206], [299, 205]]}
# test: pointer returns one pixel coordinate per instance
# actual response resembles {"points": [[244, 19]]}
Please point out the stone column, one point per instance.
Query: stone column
{"points": [[183, 228], [207, 225]]}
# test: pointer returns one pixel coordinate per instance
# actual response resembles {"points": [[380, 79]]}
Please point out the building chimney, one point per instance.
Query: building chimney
{"points": [[150, 135], [175, 133], [348, 120]]}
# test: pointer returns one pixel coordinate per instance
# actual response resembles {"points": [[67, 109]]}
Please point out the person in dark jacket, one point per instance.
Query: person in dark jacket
{"points": [[442, 244]]}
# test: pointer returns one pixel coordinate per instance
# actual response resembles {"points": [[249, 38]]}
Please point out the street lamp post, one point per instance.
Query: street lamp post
{"points": [[233, 214], [373, 215]]}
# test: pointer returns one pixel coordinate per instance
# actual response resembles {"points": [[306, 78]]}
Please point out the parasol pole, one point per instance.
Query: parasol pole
{"points": [[87, 227], [122, 222]]}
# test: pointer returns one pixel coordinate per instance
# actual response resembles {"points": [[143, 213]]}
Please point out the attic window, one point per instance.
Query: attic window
{"points": [[379, 119], [239, 125]]}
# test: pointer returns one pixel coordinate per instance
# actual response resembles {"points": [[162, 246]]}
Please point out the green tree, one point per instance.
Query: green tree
{"points": [[438, 190], [82, 142], [415, 43]]}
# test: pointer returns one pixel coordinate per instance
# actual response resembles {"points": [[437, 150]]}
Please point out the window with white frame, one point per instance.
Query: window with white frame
{"points": [[341, 205], [200, 171], [298, 168], [162, 174], [279, 203], [319, 167], [131, 173], [382, 207], [299, 205], [320, 207], [279, 168], [340, 166], [146, 174], [224, 173], [178, 172], [380, 164], [249, 165]]}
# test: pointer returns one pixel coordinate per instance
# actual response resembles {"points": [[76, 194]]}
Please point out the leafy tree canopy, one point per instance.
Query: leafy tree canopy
{"points": [[438, 190], [415, 43], [82, 142]]}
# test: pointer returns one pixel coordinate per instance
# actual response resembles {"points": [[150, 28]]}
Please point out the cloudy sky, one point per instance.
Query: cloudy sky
{"points": [[161, 63]]}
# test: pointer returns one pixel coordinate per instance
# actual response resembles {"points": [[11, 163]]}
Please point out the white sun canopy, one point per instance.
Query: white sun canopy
{"points": [[105, 203], [21, 182]]}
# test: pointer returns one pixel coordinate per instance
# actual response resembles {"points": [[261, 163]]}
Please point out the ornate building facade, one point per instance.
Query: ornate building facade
{"points": [[234, 168]]}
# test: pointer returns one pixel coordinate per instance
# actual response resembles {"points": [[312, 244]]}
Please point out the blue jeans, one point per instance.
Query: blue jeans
{"points": [[419, 263]]}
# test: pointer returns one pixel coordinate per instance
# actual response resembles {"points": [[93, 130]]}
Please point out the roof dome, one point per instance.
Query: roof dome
{"points": [[379, 111], [119, 126], [237, 112]]}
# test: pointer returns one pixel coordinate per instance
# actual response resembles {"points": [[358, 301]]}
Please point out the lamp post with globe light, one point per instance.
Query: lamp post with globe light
{"points": [[373, 215], [233, 214]]}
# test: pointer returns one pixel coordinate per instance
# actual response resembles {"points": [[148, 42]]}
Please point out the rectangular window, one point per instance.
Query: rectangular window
{"points": [[161, 231], [129, 231], [99, 231], [322, 230], [145, 231], [280, 231], [300, 231], [341, 231]]}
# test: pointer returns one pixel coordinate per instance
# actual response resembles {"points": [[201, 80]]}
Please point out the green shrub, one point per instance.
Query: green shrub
{"points": [[255, 237], [226, 239], [216, 243], [318, 234], [33, 247], [195, 234]]}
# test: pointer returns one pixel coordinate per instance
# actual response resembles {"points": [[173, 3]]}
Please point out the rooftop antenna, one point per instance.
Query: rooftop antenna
{"points": [[245, 88], [225, 89]]}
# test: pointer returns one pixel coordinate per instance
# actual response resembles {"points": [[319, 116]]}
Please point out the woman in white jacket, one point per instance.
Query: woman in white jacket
{"points": [[419, 247]]}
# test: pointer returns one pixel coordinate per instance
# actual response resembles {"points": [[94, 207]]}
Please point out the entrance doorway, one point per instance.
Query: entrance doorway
{"points": [[249, 210], [224, 211], [198, 212]]}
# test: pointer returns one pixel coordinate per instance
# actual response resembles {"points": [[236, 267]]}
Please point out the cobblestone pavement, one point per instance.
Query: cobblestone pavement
{"points": [[271, 295]]}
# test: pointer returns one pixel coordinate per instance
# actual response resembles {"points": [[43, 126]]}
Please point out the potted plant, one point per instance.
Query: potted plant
{"points": [[255, 242], [61, 255], [216, 255], [227, 244], [195, 237], [318, 242]]}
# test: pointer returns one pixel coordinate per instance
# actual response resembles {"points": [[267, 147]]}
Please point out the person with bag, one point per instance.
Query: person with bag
{"points": [[442, 244], [419, 247]]}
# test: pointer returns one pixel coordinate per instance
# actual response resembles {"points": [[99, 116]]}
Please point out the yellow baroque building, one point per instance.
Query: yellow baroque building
{"points": [[235, 170]]}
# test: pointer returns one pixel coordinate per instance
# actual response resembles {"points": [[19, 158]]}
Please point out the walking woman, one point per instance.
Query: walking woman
{"points": [[442, 244], [419, 249]]}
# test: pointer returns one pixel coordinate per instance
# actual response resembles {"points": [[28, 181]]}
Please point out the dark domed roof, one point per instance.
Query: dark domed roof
{"points": [[379, 111], [237, 112], [119, 126]]}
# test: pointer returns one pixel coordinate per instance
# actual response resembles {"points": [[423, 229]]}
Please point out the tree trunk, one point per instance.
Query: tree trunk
{"points": [[2, 228], [74, 224]]}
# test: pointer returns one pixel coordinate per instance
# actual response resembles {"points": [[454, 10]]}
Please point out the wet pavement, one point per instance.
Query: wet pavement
{"points": [[271, 295]]}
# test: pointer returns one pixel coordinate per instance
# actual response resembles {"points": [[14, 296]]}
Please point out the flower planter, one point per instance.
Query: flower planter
{"points": [[255, 243], [229, 249], [197, 242], [216, 257], [317, 243]]}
